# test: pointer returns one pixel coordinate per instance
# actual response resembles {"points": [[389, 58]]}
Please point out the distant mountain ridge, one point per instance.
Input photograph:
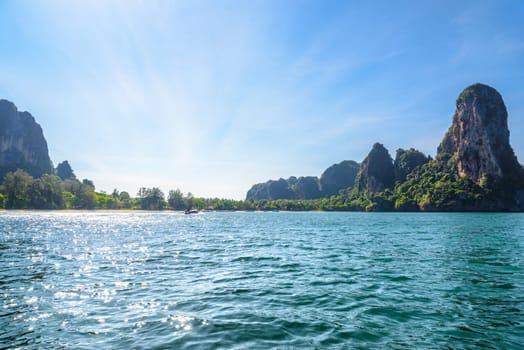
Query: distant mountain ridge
{"points": [[475, 168]]}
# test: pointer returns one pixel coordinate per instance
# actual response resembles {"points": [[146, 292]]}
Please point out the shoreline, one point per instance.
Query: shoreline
{"points": [[113, 211]]}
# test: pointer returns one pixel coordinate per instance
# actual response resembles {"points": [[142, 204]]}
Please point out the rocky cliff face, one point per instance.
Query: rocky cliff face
{"points": [[64, 171], [306, 187], [22, 143], [376, 171], [478, 139], [338, 177], [406, 161], [271, 189], [335, 178], [475, 168]]}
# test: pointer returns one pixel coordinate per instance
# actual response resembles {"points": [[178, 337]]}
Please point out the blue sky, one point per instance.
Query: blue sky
{"points": [[214, 96]]}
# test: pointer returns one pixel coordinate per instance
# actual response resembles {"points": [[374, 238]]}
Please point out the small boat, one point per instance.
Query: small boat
{"points": [[188, 211]]}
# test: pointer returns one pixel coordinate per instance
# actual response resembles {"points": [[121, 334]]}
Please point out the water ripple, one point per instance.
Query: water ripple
{"points": [[261, 281]]}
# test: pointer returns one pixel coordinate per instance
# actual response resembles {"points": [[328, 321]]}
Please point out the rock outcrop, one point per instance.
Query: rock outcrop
{"points": [[478, 139], [335, 178], [338, 177], [475, 169], [306, 187], [64, 171], [22, 143], [271, 189], [376, 172], [406, 161]]}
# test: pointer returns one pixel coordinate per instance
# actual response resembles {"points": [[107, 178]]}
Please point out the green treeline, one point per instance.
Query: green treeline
{"points": [[19, 190], [434, 186]]}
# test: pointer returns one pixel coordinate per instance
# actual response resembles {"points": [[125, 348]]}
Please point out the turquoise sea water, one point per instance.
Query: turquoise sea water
{"points": [[261, 281]]}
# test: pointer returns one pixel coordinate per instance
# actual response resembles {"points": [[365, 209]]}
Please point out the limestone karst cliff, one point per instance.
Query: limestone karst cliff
{"points": [[272, 189], [475, 168], [22, 143], [306, 187], [338, 177], [376, 171], [64, 171], [406, 161], [478, 139]]}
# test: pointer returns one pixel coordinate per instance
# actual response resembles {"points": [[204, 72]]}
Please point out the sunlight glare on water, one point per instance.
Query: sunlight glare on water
{"points": [[261, 280]]}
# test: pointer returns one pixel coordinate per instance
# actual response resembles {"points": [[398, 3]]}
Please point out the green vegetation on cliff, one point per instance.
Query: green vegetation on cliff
{"points": [[334, 179], [475, 170]]}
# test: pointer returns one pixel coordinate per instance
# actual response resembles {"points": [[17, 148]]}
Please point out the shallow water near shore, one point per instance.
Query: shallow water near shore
{"points": [[261, 280]]}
